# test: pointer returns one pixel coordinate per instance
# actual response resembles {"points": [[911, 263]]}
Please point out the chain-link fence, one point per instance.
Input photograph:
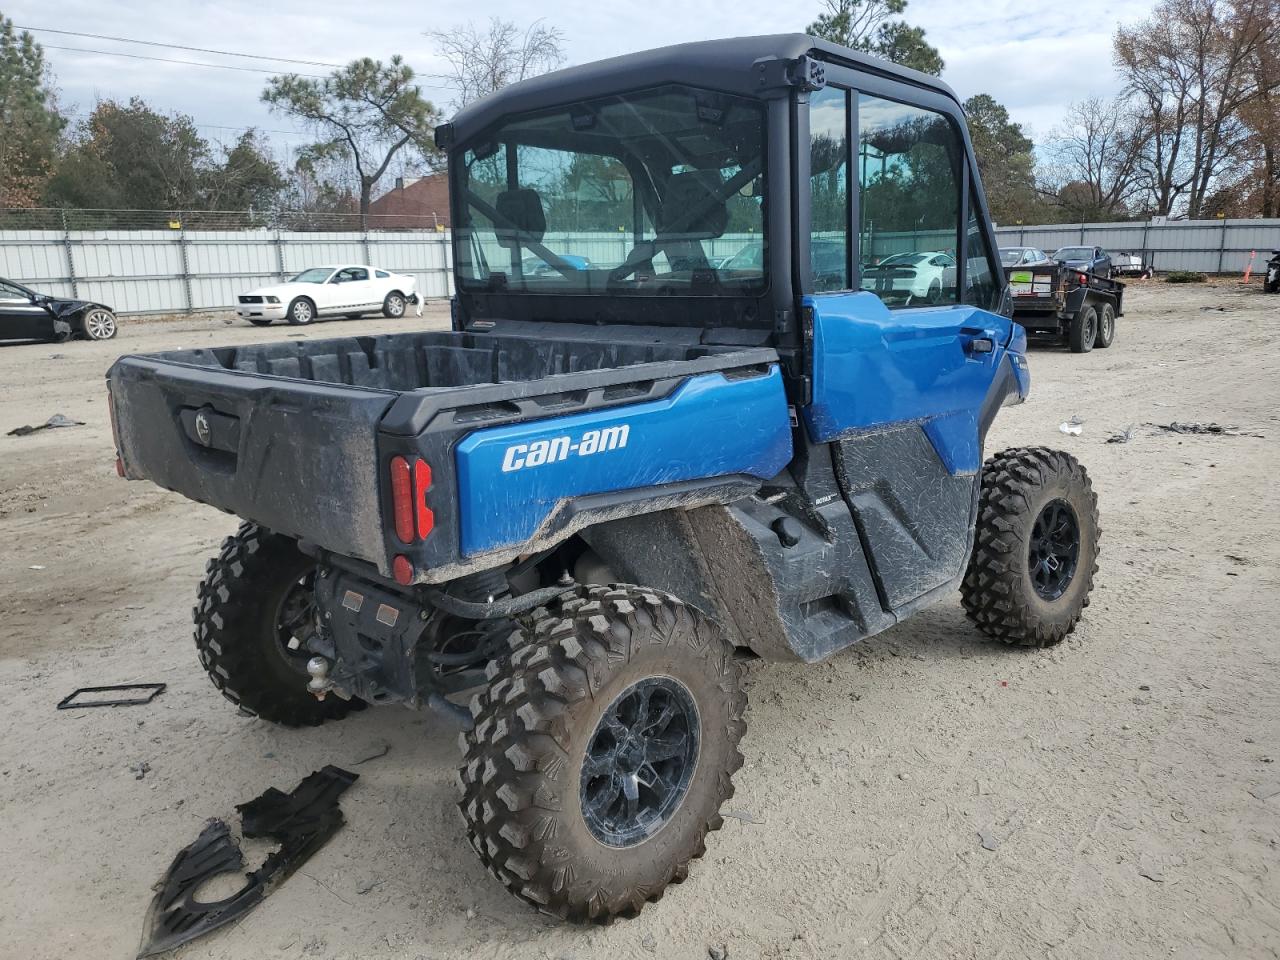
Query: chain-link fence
{"points": [[296, 221]]}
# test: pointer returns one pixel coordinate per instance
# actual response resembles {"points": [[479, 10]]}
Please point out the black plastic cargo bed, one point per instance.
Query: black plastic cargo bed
{"points": [[287, 433]]}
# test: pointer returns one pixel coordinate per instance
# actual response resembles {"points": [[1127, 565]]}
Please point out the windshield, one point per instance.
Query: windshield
{"points": [[652, 193], [1074, 253], [314, 275], [1011, 256]]}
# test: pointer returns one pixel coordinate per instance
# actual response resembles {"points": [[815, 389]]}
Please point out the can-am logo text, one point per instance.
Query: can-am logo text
{"points": [[520, 456]]}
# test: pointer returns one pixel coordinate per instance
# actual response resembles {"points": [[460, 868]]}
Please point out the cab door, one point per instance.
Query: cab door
{"points": [[903, 375], [21, 318]]}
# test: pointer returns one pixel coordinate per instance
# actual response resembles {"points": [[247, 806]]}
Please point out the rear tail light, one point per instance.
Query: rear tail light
{"points": [[402, 499], [1084, 278], [411, 516], [424, 517]]}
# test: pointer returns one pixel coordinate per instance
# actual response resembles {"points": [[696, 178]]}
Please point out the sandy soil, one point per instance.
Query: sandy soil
{"points": [[1125, 780]]}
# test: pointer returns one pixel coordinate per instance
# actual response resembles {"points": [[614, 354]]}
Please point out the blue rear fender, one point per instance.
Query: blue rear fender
{"points": [[513, 480]]}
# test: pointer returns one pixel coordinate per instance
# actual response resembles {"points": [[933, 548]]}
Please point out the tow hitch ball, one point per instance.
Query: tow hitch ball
{"points": [[319, 685]]}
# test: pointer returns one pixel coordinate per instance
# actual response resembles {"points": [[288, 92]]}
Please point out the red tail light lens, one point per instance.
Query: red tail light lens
{"points": [[413, 519], [402, 570], [1084, 279], [425, 517], [402, 499]]}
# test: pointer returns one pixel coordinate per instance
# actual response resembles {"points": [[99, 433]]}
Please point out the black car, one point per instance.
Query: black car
{"points": [[1272, 283], [27, 315], [1092, 260]]}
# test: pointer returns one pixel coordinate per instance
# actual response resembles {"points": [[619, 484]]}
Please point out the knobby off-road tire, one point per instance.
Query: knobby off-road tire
{"points": [[572, 671], [240, 637], [1010, 590], [1084, 330]]}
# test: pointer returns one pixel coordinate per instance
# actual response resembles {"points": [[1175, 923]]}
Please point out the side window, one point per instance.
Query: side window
{"points": [[358, 274], [980, 282], [909, 202], [381, 274], [829, 189]]}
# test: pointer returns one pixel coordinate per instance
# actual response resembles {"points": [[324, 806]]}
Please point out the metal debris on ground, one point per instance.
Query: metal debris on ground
{"points": [[1123, 437], [153, 690], [57, 420], [301, 822], [1204, 429]]}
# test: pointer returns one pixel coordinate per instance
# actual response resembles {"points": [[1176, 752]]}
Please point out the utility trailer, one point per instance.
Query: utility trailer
{"points": [[609, 483], [1053, 300]]}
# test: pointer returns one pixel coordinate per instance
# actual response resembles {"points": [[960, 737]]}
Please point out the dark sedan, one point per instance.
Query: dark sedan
{"points": [[27, 315], [1093, 260]]}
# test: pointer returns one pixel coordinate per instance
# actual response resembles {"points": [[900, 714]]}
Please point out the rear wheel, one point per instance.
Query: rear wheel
{"points": [[393, 306], [253, 615], [603, 748], [1084, 330], [1106, 327], [1035, 547], [301, 311]]}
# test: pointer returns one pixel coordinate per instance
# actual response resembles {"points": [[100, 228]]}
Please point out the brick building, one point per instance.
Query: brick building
{"points": [[414, 203]]}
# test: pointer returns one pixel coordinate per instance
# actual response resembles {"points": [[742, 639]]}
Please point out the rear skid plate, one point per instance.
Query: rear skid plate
{"points": [[301, 822]]}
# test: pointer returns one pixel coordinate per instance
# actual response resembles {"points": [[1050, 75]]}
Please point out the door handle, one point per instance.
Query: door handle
{"points": [[980, 345]]}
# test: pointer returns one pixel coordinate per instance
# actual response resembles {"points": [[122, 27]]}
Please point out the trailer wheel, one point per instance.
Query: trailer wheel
{"points": [[251, 614], [1106, 327], [603, 747], [1084, 329], [1035, 547]]}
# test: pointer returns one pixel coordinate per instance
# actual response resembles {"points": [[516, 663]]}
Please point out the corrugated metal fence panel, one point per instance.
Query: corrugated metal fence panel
{"points": [[172, 271], [428, 262], [37, 257], [1208, 246]]}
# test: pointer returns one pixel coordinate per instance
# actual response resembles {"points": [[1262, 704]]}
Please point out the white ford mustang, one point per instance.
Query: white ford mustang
{"points": [[342, 291]]}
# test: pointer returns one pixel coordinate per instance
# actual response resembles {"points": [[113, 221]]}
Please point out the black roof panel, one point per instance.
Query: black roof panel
{"points": [[715, 64]]}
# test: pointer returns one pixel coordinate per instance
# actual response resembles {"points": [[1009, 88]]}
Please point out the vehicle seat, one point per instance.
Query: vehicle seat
{"points": [[692, 210], [521, 218]]}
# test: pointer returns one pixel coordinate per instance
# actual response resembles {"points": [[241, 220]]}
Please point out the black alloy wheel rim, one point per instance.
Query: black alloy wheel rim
{"points": [[295, 622], [1055, 549], [639, 762]]}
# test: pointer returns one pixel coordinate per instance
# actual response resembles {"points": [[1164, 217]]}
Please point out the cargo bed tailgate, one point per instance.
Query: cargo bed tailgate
{"points": [[297, 456]]}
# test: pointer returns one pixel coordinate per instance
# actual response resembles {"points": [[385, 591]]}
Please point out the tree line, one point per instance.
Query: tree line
{"points": [[1194, 131]]}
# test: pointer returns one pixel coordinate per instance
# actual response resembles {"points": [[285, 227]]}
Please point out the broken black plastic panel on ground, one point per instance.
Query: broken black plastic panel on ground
{"points": [[301, 822], [71, 701]]}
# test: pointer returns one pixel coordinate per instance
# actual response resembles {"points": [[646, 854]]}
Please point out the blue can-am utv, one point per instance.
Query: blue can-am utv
{"points": [[728, 334]]}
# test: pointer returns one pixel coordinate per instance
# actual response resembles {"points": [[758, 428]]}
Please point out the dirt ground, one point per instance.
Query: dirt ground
{"points": [[924, 794]]}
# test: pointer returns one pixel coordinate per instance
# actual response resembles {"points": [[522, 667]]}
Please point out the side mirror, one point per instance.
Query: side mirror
{"points": [[336, 279]]}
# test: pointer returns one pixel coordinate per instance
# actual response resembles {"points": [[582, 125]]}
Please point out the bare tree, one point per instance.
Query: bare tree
{"points": [[482, 60], [1095, 153], [1188, 72]]}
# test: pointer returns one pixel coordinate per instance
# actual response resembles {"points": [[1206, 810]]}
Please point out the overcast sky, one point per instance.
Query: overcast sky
{"points": [[1034, 59]]}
